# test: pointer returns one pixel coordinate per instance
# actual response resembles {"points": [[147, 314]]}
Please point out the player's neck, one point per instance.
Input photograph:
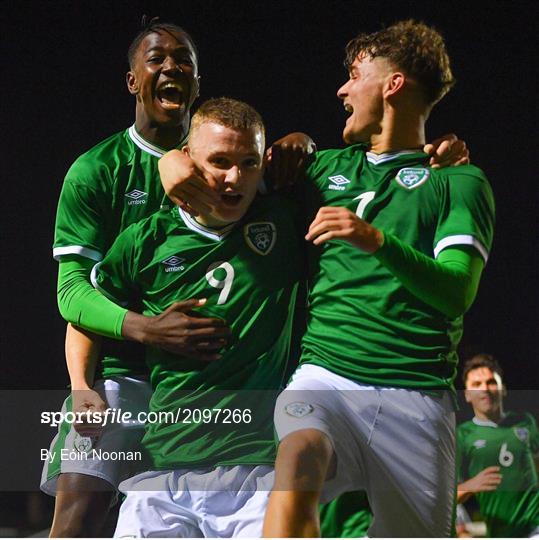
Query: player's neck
{"points": [[400, 131], [163, 137], [491, 416]]}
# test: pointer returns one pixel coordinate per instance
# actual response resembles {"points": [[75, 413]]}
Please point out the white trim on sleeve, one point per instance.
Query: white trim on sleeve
{"points": [[461, 240], [59, 252], [93, 279]]}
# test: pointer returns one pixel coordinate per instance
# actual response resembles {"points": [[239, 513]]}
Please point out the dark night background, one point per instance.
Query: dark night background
{"points": [[63, 85]]}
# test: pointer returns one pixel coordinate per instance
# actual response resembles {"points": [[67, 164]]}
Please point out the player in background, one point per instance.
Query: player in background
{"points": [[398, 249], [111, 186], [212, 477], [498, 453]]}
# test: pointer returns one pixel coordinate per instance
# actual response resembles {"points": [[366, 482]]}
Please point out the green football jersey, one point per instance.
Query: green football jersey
{"points": [[114, 184], [347, 516], [363, 323], [249, 273], [512, 510]]}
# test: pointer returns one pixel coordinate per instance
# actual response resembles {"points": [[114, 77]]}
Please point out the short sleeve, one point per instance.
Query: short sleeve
{"points": [[80, 218], [115, 275], [467, 212]]}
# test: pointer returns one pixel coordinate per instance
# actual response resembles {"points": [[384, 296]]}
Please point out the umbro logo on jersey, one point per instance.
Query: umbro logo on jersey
{"points": [[136, 197], [338, 182], [173, 264], [260, 237], [412, 177], [480, 443]]}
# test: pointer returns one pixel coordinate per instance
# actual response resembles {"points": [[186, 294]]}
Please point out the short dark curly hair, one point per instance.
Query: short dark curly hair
{"points": [[478, 361], [149, 26], [414, 47]]}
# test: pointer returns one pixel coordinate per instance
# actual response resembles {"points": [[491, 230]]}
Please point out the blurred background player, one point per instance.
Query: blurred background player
{"points": [[498, 454], [108, 188]]}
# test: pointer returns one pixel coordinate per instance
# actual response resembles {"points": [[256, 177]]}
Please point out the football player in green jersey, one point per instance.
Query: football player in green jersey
{"points": [[498, 454], [397, 250], [212, 477], [108, 188]]}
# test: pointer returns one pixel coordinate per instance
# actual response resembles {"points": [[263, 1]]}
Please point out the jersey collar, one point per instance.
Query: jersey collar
{"points": [[148, 147], [487, 423], [378, 159], [194, 225]]}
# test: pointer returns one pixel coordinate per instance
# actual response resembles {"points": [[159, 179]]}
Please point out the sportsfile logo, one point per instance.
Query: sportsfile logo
{"points": [[173, 264], [338, 182], [136, 197]]}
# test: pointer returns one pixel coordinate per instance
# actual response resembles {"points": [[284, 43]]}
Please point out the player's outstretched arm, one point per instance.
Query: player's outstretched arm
{"points": [[447, 151], [487, 480], [82, 350], [178, 329]]}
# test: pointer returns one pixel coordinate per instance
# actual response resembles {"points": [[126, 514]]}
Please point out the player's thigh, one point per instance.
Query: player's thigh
{"points": [[411, 464], [319, 401], [113, 456]]}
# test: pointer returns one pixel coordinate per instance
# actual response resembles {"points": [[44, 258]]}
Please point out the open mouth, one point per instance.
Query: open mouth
{"points": [[231, 199], [170, 95], [348, 108]]}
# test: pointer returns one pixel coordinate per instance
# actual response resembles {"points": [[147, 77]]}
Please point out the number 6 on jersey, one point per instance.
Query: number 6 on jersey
{"points": [[213, 275]]}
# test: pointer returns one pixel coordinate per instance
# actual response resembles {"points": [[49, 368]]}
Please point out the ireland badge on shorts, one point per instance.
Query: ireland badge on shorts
{"points": [[82, 444], [412, 177], [260, 237]]}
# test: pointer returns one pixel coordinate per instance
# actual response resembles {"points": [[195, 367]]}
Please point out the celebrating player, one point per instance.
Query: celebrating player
{"points": [[397, 253], [108, 188], [211, 464], [497, 451]]}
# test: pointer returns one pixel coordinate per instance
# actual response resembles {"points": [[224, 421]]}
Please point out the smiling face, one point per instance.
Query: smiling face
{"points": [[234, 158], [362, 97], [164, 79], [484, 391]]}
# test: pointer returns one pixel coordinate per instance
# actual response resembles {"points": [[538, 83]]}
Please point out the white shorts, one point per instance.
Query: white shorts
{"points": [[225, 502], [72, 453], [396, 444]]}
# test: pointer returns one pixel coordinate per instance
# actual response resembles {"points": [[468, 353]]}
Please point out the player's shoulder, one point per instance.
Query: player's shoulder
{"points": [[104, 157], [273, 205], [521, 418], [465, 428], [464, 173], [329, 157]]}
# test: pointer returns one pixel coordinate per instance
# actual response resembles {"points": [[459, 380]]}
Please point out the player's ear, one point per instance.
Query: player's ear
{"points": [[186, 150], [394, 84], [132, 83]]}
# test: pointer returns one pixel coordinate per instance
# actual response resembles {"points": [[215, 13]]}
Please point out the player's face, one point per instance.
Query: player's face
{"points": [[234, 158], [362, 97], [164, 78], [484, 390]]}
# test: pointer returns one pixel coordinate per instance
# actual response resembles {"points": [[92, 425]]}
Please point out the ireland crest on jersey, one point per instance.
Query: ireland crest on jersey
{"points": [[412, 177], [522, 434], [260, 237]]}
